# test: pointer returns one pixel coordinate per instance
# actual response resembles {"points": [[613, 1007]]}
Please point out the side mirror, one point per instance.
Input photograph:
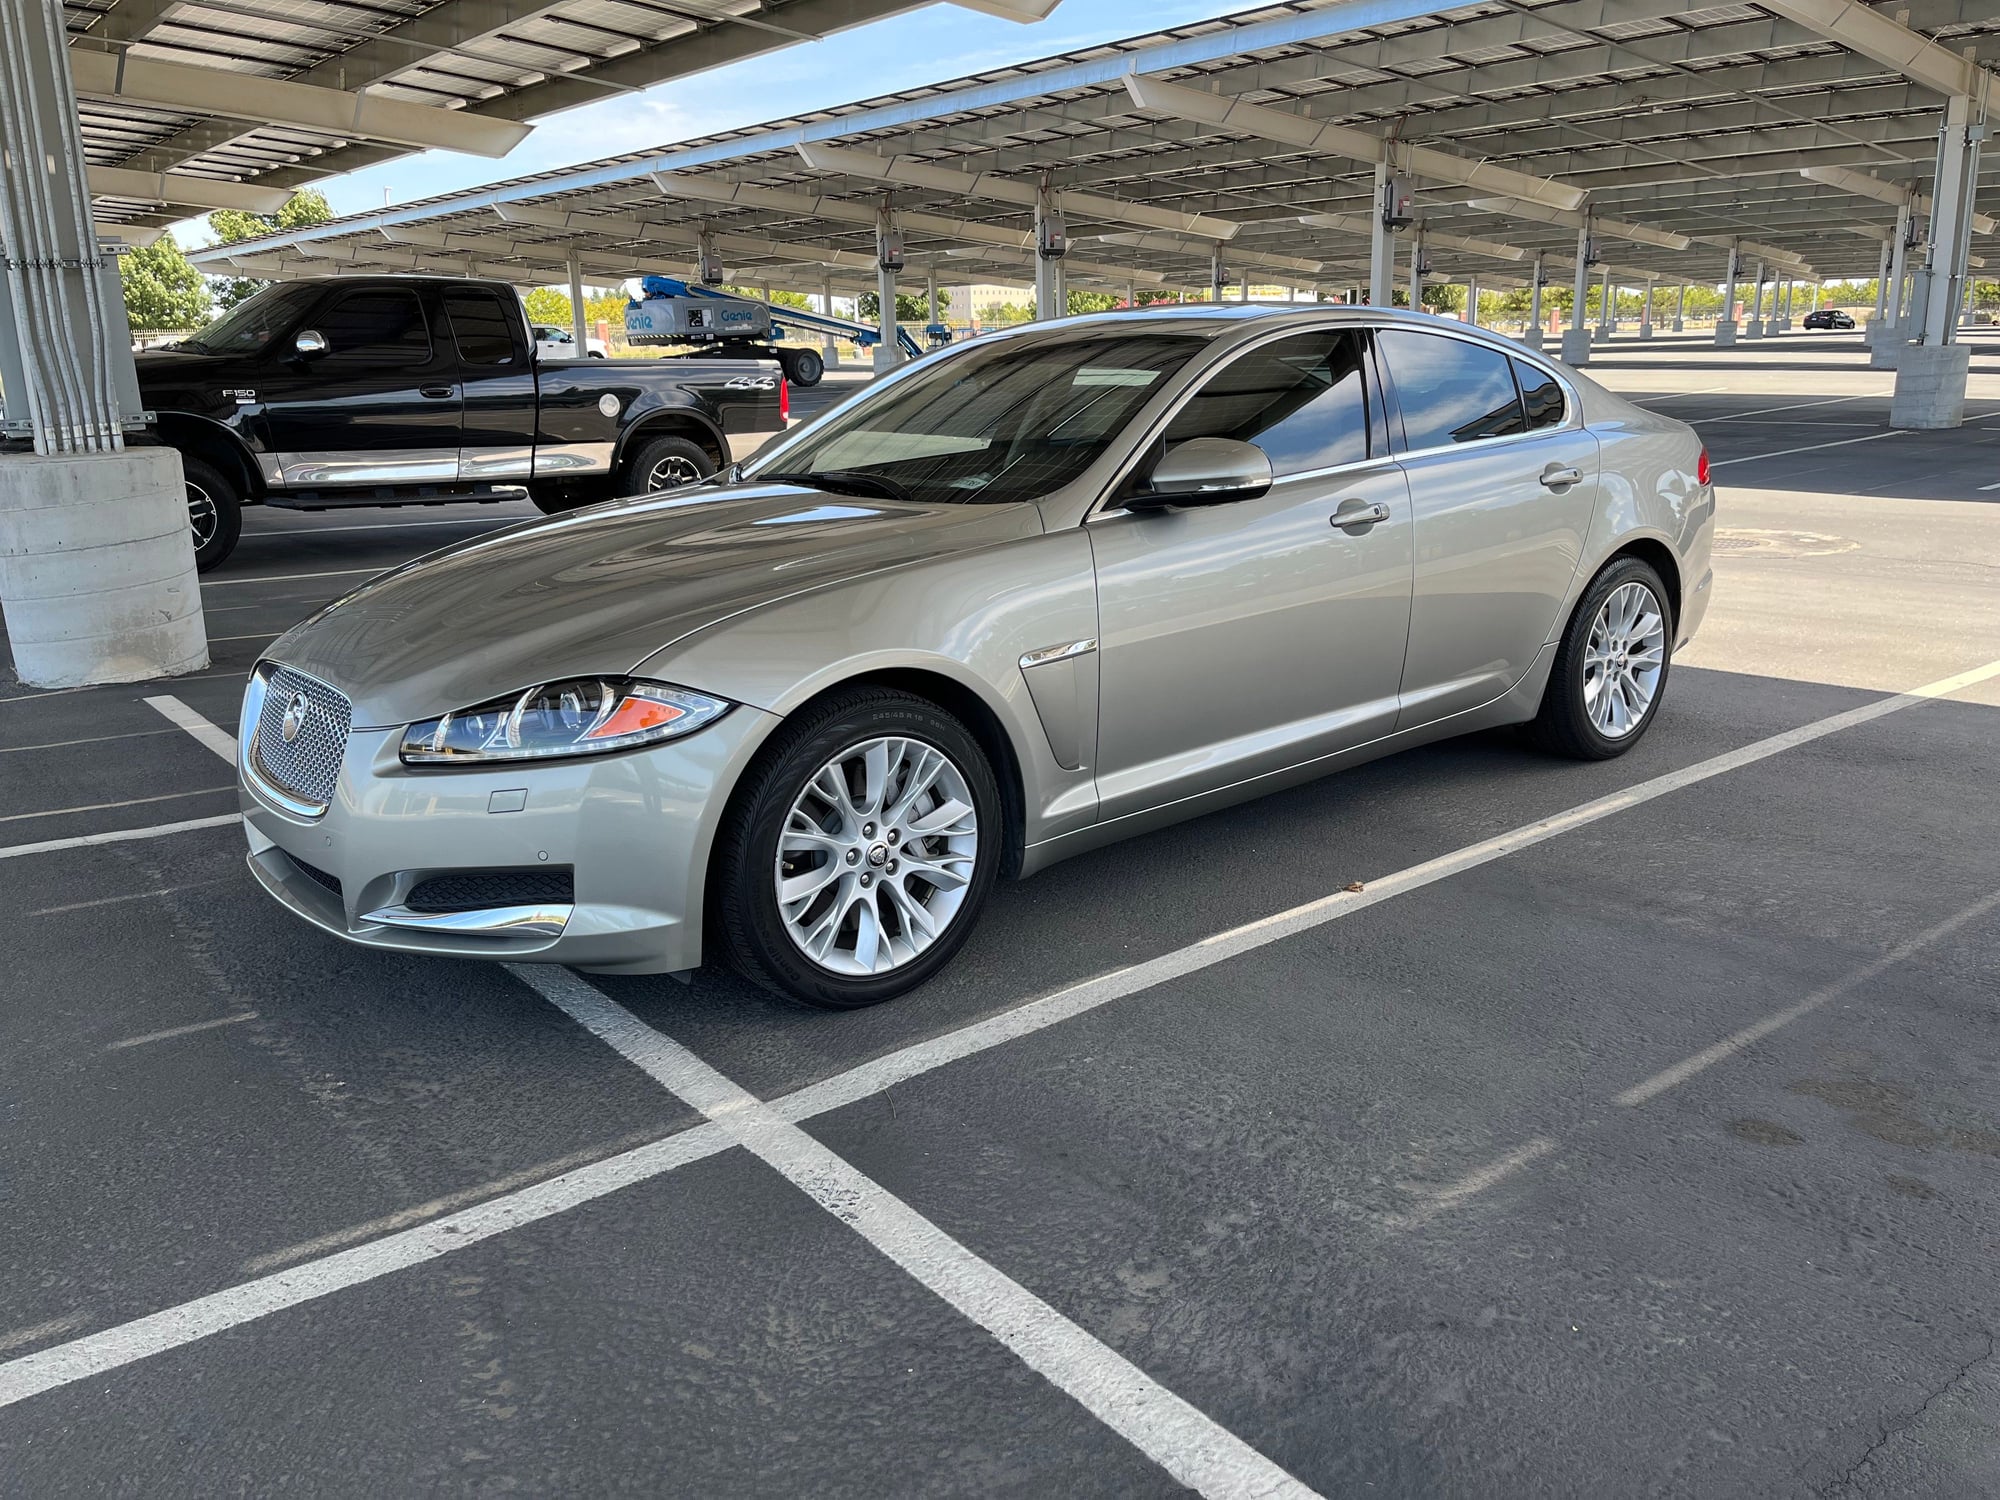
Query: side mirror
{"points": [[1205, 471], [309, 344]]}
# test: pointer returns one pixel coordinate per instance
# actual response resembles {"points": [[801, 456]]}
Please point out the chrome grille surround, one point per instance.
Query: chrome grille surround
{"points": [[304, 769]]}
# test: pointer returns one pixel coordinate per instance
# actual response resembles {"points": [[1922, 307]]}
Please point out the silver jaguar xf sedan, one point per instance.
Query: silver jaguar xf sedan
{"points": [[1030, 595]]}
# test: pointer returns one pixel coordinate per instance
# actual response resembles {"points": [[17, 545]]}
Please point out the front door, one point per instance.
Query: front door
{"points": [[380, 405], [1246, 637], [1503, 481]]}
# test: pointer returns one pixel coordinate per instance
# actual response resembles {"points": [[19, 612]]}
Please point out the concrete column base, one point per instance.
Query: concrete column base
{"points": [[1754, 329], [1680, 325], [1870, 332], [1600, 336], [1725, 335], [97, 574], [1886, 351], [1576, 347], [1772, 326], [885, 360], [1645, 330], [1930, 386], [1532, 338], [1784, 325]]}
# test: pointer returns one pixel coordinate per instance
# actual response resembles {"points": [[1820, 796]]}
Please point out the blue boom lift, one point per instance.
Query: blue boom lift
{"points": [[712, 322]]}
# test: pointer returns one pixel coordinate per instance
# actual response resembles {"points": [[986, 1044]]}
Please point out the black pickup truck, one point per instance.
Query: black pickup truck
{"points": [[423, 390]]}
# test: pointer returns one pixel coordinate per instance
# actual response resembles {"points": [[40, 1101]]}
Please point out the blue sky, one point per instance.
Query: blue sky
{"points": [[926, 46]]}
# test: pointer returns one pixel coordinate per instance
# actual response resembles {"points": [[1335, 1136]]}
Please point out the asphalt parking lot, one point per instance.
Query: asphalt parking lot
{"points": [[1633, 1129]]}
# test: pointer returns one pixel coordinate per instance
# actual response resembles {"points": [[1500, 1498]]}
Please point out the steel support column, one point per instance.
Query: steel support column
{"points": [[1576, 337], [97, 573], [1680, 309], [1472, 301], [1725, 324], [579, 320], [1381, 245], [1930, 373], [1753, 326], [1532, 334]]}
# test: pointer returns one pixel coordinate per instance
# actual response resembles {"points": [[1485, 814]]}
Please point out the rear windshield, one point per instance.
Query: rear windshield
{"points": [[1012, 421]]}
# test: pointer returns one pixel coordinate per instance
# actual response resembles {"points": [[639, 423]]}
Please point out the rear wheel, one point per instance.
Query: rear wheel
{"points": [[1610, 671], [665, 463], [857, 851], [803, 367], [215, 513]]}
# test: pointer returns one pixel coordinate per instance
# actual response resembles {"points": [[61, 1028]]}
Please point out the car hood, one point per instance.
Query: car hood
{"points": [[599, 590]]}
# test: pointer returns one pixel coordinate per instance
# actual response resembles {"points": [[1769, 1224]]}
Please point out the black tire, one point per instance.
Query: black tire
{"points": [[597, 354], [658, 457], [215, 513], [745, 921], [803, 367], [1564, 725]]}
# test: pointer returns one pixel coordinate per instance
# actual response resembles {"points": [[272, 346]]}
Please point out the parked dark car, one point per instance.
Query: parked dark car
{"points": [[1828, 317], [423, 390]]}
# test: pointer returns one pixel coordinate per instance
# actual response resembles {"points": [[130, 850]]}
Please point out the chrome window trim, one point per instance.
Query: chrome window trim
{"points": [[1572, 407], [1101, 507]]}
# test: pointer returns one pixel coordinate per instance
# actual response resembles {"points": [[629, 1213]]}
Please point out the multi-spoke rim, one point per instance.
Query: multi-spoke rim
{"points": [[1623, 660], [674, 469], [203, 517], [876, 855]]}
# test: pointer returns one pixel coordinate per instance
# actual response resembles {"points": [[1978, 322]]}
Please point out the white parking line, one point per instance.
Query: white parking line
{"points": [[120, 836], [1708, 1057], [1189, 1445], [177, 713], [96, 739], [152, 892], [1436, 1200], [1766, 411], [1751, 458], [56, 812], [223, 583], [173, 1327], [173, 1031]]}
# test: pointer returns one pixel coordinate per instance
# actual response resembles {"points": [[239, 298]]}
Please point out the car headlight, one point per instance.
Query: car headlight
{"points": [[584, 716]]}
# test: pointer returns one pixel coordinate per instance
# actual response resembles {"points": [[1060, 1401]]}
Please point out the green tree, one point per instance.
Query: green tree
{"points": [[302, 210], [161, 289], [913, 309]]}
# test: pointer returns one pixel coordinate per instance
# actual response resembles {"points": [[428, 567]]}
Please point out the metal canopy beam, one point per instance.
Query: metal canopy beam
{"points": [[1864, 185], [1618, 229], [1341, 140], [339, 113], [184, 191], [1873, 34], [948, 179]]}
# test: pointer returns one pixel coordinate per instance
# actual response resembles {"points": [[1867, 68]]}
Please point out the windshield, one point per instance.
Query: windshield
{"points": [[252, 324], [1010, 422]]}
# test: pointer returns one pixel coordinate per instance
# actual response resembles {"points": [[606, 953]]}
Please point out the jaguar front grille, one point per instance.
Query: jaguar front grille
{"points": [[302, 728]]}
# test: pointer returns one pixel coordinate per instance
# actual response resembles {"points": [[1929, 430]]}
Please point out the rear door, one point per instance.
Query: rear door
{"points": [[1247, 637], [1503, 483], [380, 406], [497, 378]]}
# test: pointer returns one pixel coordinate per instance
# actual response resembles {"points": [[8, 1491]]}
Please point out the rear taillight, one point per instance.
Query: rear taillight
{"points": [[785, 415], [1701, 468]]}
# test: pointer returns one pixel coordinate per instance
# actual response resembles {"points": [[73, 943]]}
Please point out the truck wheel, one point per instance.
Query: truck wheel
{"points": [[664, 463], [803, 367], [215, 513]]}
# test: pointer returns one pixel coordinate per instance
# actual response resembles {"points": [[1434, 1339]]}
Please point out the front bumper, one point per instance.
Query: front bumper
{"points": [[633, 828]]}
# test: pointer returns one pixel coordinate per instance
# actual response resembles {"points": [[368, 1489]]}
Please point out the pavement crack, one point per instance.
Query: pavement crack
{"points": [[1843, 1480]]}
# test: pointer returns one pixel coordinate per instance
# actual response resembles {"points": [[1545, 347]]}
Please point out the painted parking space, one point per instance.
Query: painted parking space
{"points": [[1359, 1195]]}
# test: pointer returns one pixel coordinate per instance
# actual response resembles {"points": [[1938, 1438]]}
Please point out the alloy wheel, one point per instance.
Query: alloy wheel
{"points": [[1623, 659], [875, 856], [203, 517], [671, 471]]}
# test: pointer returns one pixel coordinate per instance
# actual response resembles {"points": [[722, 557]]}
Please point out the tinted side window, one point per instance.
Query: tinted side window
{"points": [[1541, 395], [1303, 400], [375, 327], [1451, 390], [480, 326]]}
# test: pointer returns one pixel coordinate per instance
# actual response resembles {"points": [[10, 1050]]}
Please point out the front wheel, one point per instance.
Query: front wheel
{"points": [[215, 513], [1610, 671], [858, 851], [665, 463]]}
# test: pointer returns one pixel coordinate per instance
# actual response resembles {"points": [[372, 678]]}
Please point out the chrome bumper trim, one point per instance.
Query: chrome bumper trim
{"points": [[493, 921]]}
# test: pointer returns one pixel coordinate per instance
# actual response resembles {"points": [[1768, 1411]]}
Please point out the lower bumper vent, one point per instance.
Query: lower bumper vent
{"points": [[493, 888]]}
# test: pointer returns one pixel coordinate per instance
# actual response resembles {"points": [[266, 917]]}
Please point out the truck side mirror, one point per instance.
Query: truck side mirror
{"points": [[310, 344]]}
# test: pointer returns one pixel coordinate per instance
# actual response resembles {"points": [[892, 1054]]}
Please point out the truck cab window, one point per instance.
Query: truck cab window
{"points": [[481, 327], [374, 327]]}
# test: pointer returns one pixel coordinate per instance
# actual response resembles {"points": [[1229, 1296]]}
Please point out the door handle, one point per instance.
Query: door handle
{"points": [[1557, 476], [1355, 516], [437, 392]]}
